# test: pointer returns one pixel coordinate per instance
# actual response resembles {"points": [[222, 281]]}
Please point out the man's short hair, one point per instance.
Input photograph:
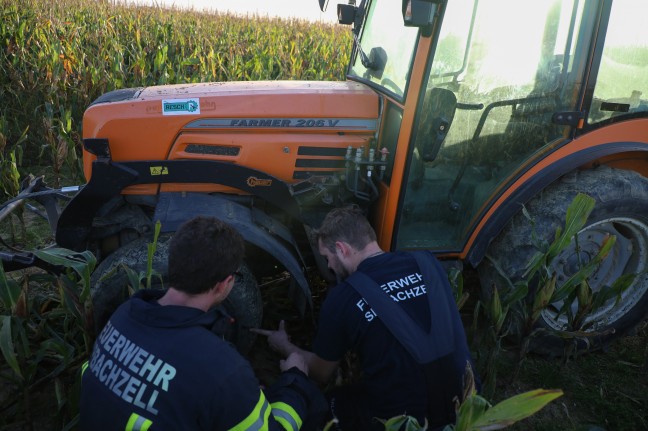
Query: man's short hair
{"points": [[347, 224], [204, 251]]}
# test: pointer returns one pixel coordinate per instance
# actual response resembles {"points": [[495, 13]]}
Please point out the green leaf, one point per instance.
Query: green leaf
{"points": [[83, 263], [515, 409], [577, 214], [59, 390], [152, 247], [535, 263], [396, 423], [9, 290], [585, 272], [134, 279], [7, 347], [519, 292], [606, 293], [70, 297], [470, 411], [509, 284]]}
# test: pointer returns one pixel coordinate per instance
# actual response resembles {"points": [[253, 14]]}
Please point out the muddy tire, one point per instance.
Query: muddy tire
{"points": [[621, 209], [110, 288]]}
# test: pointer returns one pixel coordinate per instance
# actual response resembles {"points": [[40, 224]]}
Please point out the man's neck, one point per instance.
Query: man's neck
{"points": [[176, 297], [372, 249]]}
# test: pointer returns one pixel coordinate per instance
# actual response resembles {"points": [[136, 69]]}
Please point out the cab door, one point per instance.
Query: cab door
{"points": [[500, 71]]}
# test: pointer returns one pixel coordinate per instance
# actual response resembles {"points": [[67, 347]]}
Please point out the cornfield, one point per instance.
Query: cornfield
{"points": [[56, 57]]}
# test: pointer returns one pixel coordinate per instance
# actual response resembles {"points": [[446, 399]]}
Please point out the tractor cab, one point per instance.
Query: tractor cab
{"points": [[478, 92]]}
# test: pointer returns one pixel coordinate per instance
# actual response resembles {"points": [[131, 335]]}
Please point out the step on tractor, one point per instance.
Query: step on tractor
{"points": [[458, 122]]}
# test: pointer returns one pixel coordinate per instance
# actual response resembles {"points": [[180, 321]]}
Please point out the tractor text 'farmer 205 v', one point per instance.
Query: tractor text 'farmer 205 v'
{"points": [[455, 114]]}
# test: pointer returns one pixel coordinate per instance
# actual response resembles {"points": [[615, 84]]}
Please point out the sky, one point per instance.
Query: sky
{"points": [[303, 9]]}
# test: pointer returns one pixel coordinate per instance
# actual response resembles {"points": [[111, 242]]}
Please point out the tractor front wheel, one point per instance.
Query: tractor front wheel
{"points": [[111, 287]]}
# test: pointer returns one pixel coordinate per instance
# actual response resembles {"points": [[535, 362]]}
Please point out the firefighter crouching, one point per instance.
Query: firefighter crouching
{"points": [[157, 366]]}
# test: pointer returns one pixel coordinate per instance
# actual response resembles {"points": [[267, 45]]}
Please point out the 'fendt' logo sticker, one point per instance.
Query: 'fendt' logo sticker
{"points": [[181, 106], [254, 181]]}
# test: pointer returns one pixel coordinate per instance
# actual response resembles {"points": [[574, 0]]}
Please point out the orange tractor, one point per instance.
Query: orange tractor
{"points": [[454, 116]]}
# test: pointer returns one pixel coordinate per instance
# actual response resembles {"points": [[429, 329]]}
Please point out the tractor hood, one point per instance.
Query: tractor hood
{"points": [[285, 128]]}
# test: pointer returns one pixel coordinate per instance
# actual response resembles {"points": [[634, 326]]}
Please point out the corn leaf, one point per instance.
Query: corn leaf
{"points": [[9, 290], [515, 409], [585, 272], [606, 293], [470, 411], [577, 214], [83, 263], [403, 423], [7, 347]]}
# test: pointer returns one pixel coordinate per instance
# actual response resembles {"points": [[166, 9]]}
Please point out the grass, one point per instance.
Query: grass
{"points": [[608, 389]]}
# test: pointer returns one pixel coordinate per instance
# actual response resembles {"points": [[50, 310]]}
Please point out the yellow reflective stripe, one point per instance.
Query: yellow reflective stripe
{"points": [[84, 367], [257, 420], [138, 423], [286, 416]]}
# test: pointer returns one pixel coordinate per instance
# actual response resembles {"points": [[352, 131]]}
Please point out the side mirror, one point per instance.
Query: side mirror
{"points": [[323, 4], [346, 13], [419, 13]]}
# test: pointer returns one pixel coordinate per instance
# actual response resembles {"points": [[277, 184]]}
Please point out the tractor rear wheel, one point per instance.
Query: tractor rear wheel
{"points": [[621, 209], [111, 287]]}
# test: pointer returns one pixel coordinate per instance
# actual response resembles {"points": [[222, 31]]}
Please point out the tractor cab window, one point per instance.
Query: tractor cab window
{"points": [[622, 83], [385, 48], [500, 70]]}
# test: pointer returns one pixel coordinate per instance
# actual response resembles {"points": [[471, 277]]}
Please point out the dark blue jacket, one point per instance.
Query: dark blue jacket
{"points": [[161, 368], [394, 380]]}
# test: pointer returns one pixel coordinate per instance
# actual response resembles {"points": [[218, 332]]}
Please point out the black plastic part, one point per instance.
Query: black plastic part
{"points": [[109, 179], [118, 95], [19, 260], [97, 146], [257, 228]]}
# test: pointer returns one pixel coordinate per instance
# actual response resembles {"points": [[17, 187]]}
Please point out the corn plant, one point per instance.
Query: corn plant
{"points": [[144, 279], [455, 277], [475, 413], [525, 300], [10, 157], [46, 332]]}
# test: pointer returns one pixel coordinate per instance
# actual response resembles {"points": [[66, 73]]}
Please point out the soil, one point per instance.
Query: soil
{"points": [[603, 391]]}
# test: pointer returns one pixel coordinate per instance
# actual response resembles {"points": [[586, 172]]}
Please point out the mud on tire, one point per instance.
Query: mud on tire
{"points": [[621, 209], [110, 288]]}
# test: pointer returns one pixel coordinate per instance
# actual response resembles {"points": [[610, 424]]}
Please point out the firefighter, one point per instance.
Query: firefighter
{"points": [[397, 312], [157, 365]]}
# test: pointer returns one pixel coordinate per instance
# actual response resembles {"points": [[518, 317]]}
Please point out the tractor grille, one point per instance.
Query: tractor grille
{"points": [[318, 161], [213, 150]]}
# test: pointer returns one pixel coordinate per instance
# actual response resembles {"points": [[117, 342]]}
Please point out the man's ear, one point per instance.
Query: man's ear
{"points": [[223, 288], [343, 248]]}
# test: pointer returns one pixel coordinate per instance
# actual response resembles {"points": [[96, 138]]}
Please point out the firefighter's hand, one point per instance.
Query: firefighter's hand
{"points": [[278, 340], [294, 360]]}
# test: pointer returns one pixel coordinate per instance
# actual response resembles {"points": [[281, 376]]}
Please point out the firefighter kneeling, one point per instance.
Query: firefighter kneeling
{"points": [[158, 366]]}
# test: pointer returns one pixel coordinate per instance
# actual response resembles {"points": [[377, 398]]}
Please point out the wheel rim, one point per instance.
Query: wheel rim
{"points": [[629, 255]]}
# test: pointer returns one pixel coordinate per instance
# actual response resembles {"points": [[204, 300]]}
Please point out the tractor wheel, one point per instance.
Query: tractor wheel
{"points": [[621, 209], [110, 288]]}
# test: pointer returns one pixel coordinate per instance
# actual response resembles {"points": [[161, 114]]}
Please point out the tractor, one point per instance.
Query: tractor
{"points": [[458, 121]]}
